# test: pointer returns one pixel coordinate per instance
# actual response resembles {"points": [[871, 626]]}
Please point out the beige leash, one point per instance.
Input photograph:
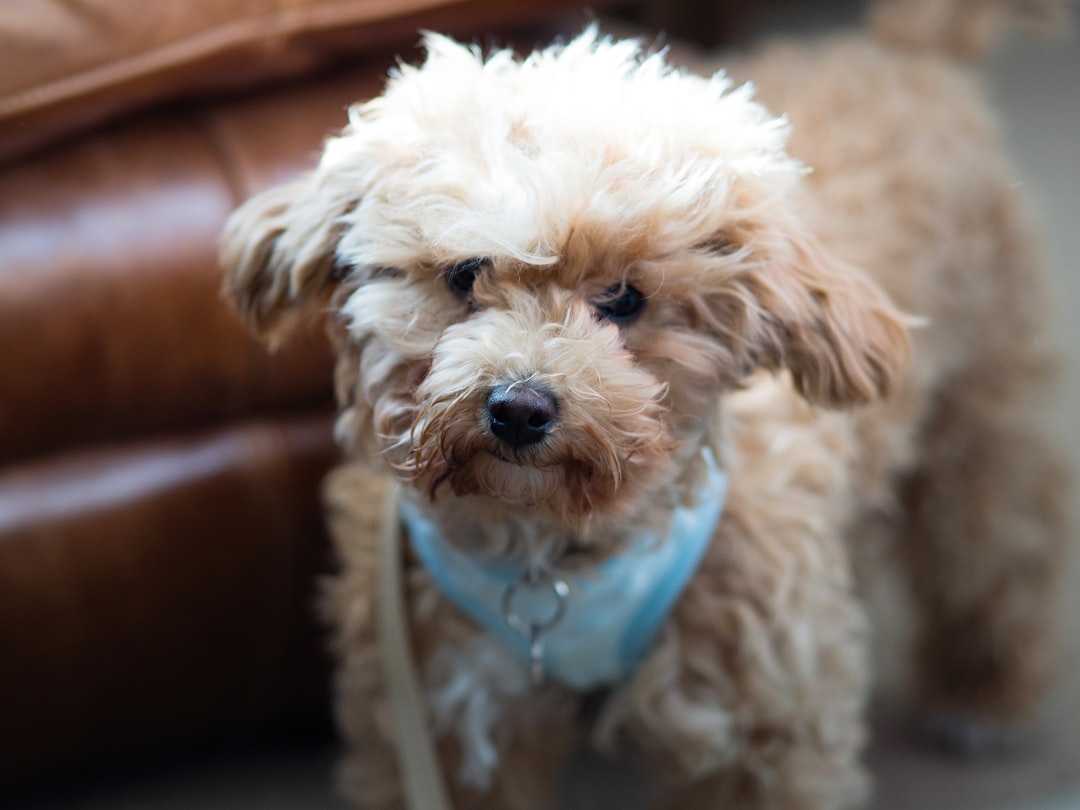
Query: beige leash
{"points": [[417, 760]]}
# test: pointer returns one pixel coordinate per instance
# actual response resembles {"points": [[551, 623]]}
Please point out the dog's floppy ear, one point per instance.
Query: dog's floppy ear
{"points": [[278, 252], [836, 331]]}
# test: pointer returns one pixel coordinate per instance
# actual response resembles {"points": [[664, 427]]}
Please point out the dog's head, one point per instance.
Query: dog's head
{"points": [[549, 270]]}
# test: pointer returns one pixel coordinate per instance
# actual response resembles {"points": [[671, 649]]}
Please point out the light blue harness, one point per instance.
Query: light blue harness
{"points": [[588, 628]]}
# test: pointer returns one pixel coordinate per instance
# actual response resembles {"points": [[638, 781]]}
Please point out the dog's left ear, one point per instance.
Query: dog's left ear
{"points": [[828, 323], [278, 252]]}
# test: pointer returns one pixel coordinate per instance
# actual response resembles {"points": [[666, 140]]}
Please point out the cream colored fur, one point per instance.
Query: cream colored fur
{"points": [[772, 333]]}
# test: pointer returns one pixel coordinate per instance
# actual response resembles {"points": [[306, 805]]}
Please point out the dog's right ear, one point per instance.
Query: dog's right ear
{"points": [[278, 252]]}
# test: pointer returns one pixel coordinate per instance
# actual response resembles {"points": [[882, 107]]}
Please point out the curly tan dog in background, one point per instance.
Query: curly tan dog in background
{"points": [[578, 297]]}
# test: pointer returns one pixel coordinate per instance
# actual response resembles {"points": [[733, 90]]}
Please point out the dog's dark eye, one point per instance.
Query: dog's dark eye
{"points": [[461, 276], [621, 304]]}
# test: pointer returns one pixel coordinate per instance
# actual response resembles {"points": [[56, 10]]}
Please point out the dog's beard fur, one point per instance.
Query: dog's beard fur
{"points": [[612, 440]]}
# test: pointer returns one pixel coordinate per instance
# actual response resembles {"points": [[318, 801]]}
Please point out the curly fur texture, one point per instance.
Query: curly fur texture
{"points": [[773, 302]]}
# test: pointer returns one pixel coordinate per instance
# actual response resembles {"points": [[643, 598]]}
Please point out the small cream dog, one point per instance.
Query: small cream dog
{"points": [[609, 331]]}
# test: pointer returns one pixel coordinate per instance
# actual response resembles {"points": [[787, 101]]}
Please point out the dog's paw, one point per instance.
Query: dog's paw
{"points": [[967, 735]]}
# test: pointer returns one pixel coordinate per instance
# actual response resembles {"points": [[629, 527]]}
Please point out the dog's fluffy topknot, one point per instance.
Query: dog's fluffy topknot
{"points": [[584, 116]]}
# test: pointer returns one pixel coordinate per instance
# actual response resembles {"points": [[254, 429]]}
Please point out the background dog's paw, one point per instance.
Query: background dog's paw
{"points": [[967, 735]]}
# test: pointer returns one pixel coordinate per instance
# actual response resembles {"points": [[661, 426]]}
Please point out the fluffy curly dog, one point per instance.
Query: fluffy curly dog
{"points": [[646, 383]]}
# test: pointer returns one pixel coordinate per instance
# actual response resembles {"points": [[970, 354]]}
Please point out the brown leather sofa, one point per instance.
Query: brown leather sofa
{"points": [[160, 532]]}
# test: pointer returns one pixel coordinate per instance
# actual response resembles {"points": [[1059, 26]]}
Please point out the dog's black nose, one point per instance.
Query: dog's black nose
{"points": [[520, 415]]}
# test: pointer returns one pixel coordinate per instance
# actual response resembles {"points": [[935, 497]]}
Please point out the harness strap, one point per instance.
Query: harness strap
{"points": [[585, 629]]}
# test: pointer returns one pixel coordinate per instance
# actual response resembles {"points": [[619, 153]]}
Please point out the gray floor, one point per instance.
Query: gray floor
{"points": [[1037, 87]]}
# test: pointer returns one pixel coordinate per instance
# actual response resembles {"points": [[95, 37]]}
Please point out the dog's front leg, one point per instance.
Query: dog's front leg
{"points": [[501, 743], [754, 695], [504, 741]]}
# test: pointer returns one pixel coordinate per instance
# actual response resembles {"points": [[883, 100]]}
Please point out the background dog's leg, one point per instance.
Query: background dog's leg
{"points": [[985, 506], [983, 546]]}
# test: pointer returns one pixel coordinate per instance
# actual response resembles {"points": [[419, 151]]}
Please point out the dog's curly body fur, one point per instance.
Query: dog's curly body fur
{"points": [[584, 170]]}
